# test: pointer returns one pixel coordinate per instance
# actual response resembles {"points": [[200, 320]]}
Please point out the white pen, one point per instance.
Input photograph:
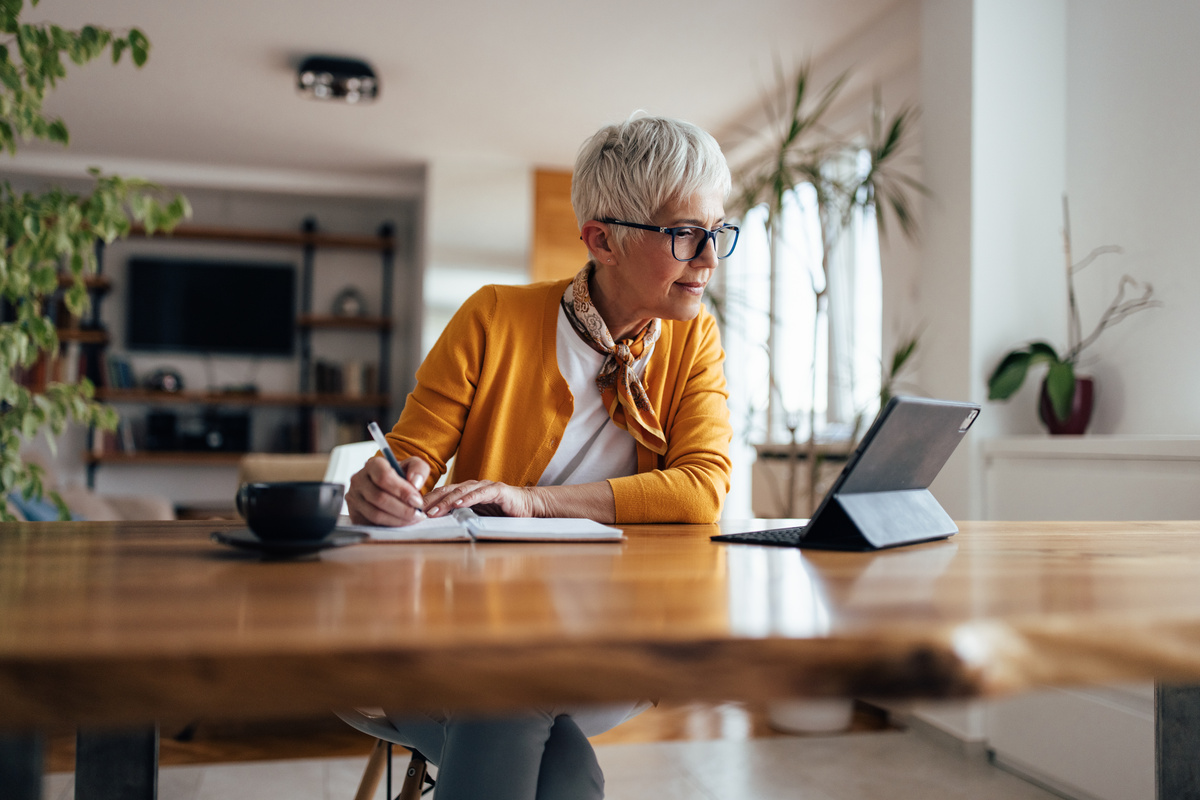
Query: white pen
{"points": [[377, 435]]}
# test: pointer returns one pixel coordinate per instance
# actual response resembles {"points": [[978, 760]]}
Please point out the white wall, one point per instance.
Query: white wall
{"points": [[1018, 173], [480, 224], [944, 286], [1132, 173], [994, 93]]}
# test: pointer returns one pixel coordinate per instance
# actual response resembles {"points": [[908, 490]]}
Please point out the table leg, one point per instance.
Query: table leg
{"points": [[116, 764], [1177, 741], [21, 766]]}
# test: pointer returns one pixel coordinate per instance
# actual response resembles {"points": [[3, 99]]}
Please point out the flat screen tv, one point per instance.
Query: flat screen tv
{"points": [[197, 306]]}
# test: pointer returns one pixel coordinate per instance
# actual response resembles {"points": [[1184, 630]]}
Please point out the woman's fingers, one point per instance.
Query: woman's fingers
{"points": [[418, 475], [444, 499], [507, 499], [371, 504], [379, 496], [406, 488]]}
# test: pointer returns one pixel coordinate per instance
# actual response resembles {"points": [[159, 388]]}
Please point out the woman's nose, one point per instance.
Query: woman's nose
{"points": [[708, 254]]}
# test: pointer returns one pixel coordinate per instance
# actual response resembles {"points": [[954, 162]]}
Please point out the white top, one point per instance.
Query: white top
{"points": [[592, 449], [613, 453]]}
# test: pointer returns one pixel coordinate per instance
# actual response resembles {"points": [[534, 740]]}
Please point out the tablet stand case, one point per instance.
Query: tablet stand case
{"points": [[874, 520]]}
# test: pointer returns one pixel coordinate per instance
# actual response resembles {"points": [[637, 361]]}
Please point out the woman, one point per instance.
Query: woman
{"points": [[602, 396]]}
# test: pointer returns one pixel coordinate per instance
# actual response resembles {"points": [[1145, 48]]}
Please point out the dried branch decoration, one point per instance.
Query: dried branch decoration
{"points": [[1117, 310]]}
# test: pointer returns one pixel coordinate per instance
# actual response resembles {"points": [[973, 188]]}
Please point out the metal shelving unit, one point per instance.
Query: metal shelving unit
{"points": [[309, 239]]}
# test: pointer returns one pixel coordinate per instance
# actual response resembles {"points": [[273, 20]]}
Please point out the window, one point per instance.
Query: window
{"points": [[836, 348]]}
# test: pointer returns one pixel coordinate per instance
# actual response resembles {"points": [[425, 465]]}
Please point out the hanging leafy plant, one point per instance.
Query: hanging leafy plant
{"points": [[47, 240]]}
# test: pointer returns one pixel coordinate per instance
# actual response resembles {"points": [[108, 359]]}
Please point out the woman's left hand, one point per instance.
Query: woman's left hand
{"points": [[488, 498]]}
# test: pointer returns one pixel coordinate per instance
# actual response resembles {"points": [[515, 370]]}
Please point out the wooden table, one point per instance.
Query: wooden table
{"points": [[128, 623]]}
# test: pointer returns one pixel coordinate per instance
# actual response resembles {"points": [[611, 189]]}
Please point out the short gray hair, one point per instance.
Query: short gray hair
{"points": [[632, 170]]}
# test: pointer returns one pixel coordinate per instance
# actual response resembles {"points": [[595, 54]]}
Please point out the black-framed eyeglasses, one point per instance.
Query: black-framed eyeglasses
{"points": [[688, 241]]}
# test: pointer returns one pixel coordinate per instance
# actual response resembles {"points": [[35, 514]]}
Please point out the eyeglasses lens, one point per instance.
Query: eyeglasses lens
{"points": [[688, 243], [725, 240]]}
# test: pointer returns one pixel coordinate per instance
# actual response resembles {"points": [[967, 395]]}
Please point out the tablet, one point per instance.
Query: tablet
{"points": [[881, 498]]}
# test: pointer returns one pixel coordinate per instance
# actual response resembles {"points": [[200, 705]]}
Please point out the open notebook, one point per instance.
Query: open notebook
{"points": [[464, 525]]}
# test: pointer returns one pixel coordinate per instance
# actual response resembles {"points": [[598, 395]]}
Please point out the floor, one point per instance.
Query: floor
{"points": [[729, 755]]}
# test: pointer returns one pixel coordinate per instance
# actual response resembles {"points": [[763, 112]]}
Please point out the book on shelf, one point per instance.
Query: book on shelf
{"points": [[34, 376], [104, 442], [119, 372], [101, 442], [352, 379], [72, 357], [331, 428], [125, 429], [327, 377]]}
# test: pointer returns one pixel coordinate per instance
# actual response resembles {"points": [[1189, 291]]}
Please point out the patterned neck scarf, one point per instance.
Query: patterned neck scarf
{"points": [[621, 390]]}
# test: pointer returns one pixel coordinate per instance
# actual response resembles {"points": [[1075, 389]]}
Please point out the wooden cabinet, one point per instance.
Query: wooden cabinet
{"points": [[557, 250], [1095, 741]]}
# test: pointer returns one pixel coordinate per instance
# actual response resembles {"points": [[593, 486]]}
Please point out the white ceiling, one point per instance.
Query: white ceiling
{"points": [[525, 82]]}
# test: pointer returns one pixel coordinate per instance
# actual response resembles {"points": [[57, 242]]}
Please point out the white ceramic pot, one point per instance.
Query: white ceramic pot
{"points": [[810, 716]]}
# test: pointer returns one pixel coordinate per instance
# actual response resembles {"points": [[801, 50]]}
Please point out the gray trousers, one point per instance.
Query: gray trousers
{"points": [[530, 755]]}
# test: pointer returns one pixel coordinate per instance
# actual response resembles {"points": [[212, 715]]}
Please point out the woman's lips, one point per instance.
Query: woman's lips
{"points": [[695, 288]]}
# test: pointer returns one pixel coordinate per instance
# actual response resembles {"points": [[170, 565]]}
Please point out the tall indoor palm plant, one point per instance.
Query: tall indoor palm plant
{"points": [[805, 150]]}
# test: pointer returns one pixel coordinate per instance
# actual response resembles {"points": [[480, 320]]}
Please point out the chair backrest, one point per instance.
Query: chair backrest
{"points": [[347, 459], [265, 467]]}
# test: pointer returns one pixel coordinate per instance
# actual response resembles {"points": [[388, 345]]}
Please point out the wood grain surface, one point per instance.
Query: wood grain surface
{"points": [[131, 622]]}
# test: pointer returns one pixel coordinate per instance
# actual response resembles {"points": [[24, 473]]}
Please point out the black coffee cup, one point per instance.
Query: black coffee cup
{"points": [[290, 511]]}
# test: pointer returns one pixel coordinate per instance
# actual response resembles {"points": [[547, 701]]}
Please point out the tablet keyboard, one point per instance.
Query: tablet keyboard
{"points": [[780, 537]]}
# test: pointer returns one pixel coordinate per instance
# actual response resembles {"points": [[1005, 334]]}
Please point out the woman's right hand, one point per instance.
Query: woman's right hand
{"points": [[379, 496]]}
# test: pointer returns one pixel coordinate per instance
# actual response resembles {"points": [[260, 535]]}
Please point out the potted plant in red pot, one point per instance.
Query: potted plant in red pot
{"points": [[1065, 402]]}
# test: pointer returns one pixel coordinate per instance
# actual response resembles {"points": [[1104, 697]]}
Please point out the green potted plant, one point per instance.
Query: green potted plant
{"points": [[47, 240], [1066, 399]]}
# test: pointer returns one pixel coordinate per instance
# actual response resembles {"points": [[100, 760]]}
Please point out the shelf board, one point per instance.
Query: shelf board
{"points": [[330, 322], [93, 282], [345, 401], [197, 458], [149, 397], [297, 238], [82, 335]]}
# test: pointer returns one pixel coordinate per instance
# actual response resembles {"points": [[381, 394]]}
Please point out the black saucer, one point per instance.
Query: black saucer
{"points": [[245, 539]]}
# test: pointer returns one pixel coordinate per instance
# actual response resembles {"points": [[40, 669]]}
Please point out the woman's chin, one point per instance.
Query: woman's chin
{"points": [[683, 310]]}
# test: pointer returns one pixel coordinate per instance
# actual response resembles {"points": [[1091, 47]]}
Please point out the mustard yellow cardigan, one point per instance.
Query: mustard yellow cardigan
{"points": [[490, 390]]}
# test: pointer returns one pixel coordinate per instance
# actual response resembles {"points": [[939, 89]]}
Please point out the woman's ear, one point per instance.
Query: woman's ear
{"points": [[596, 236]]}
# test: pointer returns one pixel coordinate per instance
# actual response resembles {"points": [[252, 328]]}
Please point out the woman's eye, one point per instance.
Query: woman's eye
{"points": [[686, 234]]}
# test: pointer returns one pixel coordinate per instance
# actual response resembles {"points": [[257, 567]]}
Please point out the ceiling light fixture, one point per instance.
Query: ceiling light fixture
{"points": [[330, 78]]}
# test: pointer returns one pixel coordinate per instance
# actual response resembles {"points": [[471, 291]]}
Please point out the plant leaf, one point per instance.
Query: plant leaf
{"points": [[1043, 353], [1009, 375], [902, 354], [1060, 385]]}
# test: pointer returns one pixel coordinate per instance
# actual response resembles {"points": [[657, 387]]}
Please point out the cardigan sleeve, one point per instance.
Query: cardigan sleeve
{"points": [[435, 413], [693, 476]]}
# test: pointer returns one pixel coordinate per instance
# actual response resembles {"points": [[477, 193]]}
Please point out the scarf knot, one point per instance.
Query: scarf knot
{"points": [[621, 389]]}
